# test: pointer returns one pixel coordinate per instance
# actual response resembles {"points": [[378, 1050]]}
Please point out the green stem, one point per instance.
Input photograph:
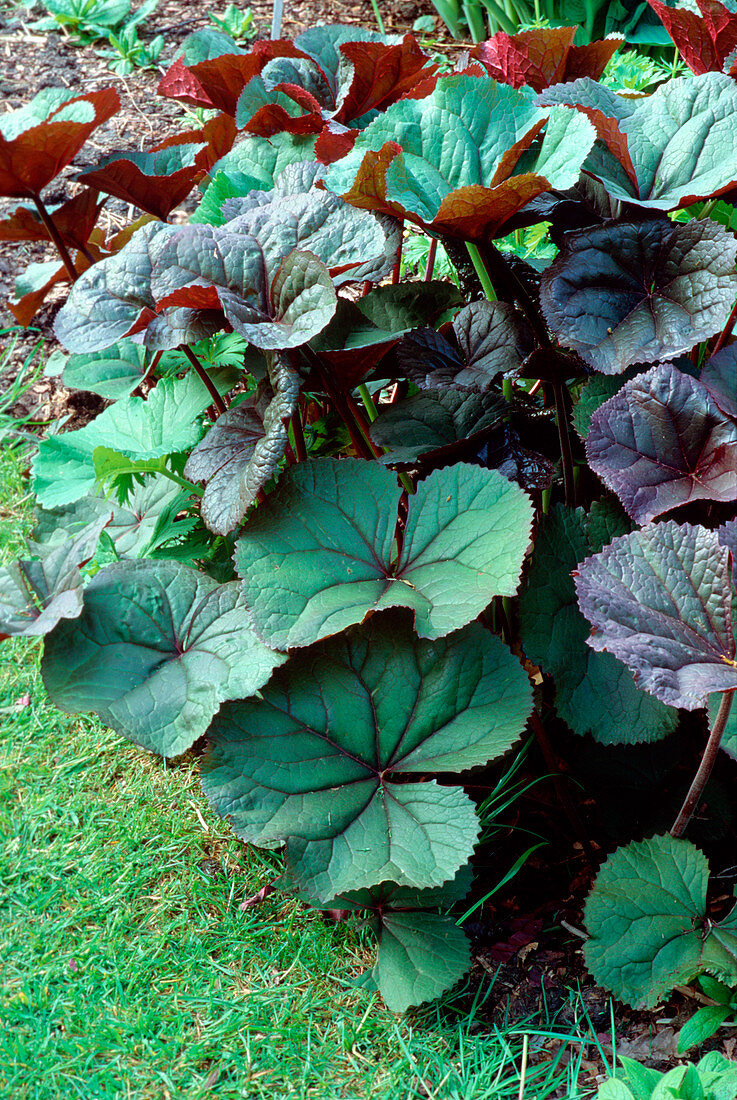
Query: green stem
{"points": [[379, 20], [56, 237], [500, 17], [204, 378], [561, 416], [368, 403], [708, 760], [480, 269], [707, 208]]}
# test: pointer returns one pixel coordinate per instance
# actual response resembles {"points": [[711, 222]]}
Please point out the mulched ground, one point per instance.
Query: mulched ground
{"points": [[530, 943], [30, 61]]}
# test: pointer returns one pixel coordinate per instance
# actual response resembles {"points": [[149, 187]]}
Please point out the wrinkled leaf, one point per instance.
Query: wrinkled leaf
{"points": [[242, 451], [158, 647], [647, 922], [543, 56], [470, 159], [665, 150], [662, 442], [490, 339], [636, 292], [74, 220], [661, 601], [705, 35], [719, 375], [321, 551], [315, 760]]}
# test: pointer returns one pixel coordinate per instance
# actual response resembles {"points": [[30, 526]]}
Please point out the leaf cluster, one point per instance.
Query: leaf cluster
{"points": [[337, 522]]}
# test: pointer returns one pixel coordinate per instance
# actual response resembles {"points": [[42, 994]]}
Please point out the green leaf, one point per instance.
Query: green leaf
{"points": [[156, 650], [321, 551], [35, 593], [253, 165], [431, 425], [647, 922], [595, 693], [464, 159], [133, 527], [243, 449], [665, 150], [316, 759], [593, 395], [112, 373], [729, 737], [420, 956], [704, 1023], [166, 422]]}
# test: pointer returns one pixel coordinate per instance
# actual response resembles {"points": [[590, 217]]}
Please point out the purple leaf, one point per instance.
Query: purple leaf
{"points": [[720, 378], [661, 441], [661, 601]]}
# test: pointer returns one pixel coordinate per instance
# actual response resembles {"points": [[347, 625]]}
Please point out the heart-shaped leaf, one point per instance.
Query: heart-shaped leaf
{"points": [[662, 442], [466, 532], [167, 422], [36, 593], [661, 601], [470, 157], [490, 339], [543, 56], [705, 38], [158, 647], [648, 924], [431, 425], [635, 292], [40, 139], [665, 150], [594, 693], [315, 760], [242, 451]]}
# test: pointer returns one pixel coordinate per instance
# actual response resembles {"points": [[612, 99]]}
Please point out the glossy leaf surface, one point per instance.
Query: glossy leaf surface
{"points": [[321, 552]]}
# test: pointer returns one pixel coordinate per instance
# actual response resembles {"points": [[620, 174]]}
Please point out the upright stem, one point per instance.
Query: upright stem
{"points": [[299, 437], [708, 761], [561, 416], [396, 273], [481, 271], [205, 379], [276, 17], [431, 254], [501, 275], [56, 237]]}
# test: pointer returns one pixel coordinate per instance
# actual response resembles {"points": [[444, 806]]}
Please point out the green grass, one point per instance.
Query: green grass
{"points": [[130, 972]]}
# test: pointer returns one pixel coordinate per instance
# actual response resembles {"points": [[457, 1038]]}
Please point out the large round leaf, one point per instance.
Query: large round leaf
{"points": [[647, 922], [661, 442], [321, 551], [316, 760], [635, 292], [661, 601], [156, 650]]}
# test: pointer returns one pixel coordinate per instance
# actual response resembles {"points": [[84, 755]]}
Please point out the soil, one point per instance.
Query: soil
{"points": [[30, 61], [533, 952]]}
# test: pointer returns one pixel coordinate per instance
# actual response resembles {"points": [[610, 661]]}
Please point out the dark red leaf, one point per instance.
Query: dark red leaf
{"points": [[272, 119], [36, 155], [75, 219], [219, 81], [40, 282], [334, 142], [704, 41], [382, 74], [543, 56], [143, 179]]}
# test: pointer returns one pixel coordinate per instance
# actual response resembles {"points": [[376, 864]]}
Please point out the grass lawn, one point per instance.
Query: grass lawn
{"points": [[128, 969]]}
